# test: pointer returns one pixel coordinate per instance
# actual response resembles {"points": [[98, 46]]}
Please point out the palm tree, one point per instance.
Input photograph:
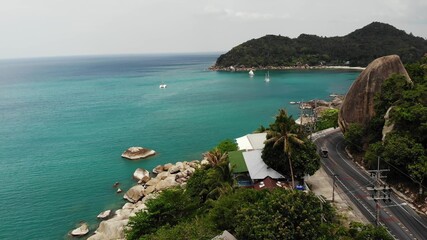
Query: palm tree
{"points": [[215, 157], [282, 133], [219, 179], [260, 129]]}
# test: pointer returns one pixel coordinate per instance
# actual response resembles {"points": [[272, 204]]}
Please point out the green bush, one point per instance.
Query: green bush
{"points": [[328, 119], [170, 207]]}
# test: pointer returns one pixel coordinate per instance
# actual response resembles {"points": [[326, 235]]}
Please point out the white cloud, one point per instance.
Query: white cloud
{"points": [[227, 13]]}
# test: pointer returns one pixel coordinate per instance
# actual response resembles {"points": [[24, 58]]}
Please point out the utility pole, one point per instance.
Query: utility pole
{"points": [[333, 186], [313, 118], [322, 215], [379, 192], [301, 105]]}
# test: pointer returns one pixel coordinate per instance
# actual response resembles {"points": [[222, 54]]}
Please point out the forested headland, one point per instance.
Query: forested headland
{"points": [[358, 48]]}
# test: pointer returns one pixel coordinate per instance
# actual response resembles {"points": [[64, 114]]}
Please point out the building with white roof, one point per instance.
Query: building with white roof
{"points": [[257, 169], [252, 141]]}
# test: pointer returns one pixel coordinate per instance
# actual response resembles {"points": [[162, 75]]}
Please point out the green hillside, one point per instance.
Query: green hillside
{"points": [[358, 48]]}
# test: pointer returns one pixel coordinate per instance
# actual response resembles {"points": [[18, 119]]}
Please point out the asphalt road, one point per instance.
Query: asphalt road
{"points": [[401, 221]]}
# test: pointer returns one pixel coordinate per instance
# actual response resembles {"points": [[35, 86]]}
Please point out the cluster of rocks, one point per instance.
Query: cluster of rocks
{"points": [[168, 175], [319, 106], [148, 187]]}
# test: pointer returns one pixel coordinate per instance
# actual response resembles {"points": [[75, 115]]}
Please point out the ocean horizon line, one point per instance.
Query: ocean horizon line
{"points": [[113, 55]]}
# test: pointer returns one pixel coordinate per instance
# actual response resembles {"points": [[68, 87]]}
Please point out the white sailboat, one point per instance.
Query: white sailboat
{"points": [[267, 77], [251, 73], [163, 85]]}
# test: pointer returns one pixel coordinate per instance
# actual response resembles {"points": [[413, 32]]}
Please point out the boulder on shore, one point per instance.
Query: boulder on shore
{"points": [[134, 153], [358, 104], [158, 169], [104, 214], [166, 183], [140, 174], [134, 193], [81, 231], [111, 229]]}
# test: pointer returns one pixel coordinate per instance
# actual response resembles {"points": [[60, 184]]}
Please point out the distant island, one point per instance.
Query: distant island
{"points": [[356, 49]]}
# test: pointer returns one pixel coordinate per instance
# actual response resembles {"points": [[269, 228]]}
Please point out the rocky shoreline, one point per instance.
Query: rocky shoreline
{"points": [[148, 186], [302, 67]]}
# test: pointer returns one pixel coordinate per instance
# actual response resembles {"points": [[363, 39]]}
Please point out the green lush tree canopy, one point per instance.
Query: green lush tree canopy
{"points": [[328, 119], [227, 145], [169, 208], [283, 215], [354, 136], [288, 150]]}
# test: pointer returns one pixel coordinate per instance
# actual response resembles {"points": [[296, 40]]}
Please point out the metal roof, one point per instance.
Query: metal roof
{"points": [[251, 141], [256, 166]]}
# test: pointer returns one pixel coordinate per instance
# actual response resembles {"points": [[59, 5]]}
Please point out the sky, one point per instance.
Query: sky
{"points": [[31, 28]]}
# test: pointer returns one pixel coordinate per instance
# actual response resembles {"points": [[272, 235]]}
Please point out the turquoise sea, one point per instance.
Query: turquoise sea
{"points": [[64, 123]]}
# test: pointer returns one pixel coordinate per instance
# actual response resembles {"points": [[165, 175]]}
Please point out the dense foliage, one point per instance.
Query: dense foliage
{"points": [[328, 119], [354, 137], [246, 213], [227, 145], [282, 215], [288, 150], [358, 48]]}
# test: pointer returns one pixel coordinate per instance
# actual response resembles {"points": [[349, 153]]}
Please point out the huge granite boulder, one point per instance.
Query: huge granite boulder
{"points": [[358, 104], [134, 153], [134, 193]]}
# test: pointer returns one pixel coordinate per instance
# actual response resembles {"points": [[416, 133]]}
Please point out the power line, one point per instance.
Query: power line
{"points": [[388, 163], [377, 189]]}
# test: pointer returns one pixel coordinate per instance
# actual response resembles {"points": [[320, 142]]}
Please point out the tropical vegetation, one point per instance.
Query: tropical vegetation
{"points": [[328, 119], [288, 150], [358, 48], [210, 203]]}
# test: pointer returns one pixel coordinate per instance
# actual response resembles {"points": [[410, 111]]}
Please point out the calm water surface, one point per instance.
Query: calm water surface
{"points": [[64, 123]]}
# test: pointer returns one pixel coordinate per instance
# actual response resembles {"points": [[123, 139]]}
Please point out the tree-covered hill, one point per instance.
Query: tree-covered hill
{"points": [[358, 48]]}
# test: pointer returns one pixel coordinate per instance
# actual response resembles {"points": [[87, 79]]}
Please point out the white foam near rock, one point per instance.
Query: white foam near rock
{"points": [[81, 231], [134, 153]]}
